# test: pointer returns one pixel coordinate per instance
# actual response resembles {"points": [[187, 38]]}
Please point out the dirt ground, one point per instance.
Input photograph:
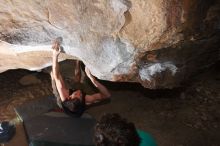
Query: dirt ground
{"points": [[187, 116]]}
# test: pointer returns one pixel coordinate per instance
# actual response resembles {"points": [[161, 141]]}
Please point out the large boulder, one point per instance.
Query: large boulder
{"points": [[158, 43]]}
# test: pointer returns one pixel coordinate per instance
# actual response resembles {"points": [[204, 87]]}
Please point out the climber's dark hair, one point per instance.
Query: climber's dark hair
{"points": [[74, 107]]}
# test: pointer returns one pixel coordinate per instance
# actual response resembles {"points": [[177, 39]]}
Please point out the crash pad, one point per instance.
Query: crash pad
{"points": [[47, 130], [35, 107]]}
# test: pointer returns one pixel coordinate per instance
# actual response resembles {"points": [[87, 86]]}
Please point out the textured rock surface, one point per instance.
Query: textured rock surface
{"points": [[158, 43]]}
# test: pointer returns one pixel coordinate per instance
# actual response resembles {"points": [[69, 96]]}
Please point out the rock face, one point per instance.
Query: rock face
{"points": [[158, 43]]}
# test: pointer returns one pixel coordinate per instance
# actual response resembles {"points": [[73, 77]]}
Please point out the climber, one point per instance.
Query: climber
{"points": [[74, 102]]}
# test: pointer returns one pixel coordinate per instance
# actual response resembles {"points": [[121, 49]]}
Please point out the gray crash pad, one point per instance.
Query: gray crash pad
{"points": [[47, 130], [35, 107]]}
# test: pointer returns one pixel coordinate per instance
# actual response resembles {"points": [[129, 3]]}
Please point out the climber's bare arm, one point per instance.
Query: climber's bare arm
{"points": [[63, 92], [103, 91], [77, 72]]}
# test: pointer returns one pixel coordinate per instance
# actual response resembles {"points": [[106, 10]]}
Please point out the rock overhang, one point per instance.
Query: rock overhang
{"points": [[119, 40]]}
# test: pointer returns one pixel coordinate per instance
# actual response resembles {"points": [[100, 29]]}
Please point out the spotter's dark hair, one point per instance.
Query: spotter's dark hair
{"points": [[113, 130]]}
